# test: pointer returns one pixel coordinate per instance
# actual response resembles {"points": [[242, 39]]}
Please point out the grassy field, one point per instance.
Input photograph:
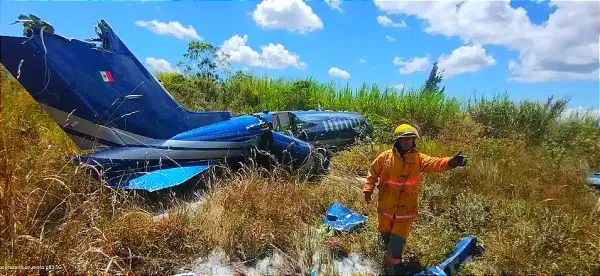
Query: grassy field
{"points": [[523, 192]]}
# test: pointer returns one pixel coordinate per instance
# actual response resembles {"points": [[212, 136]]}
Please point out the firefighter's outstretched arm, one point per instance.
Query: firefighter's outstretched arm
{"points": [[373, 177], [431, 164], [458, 160]]}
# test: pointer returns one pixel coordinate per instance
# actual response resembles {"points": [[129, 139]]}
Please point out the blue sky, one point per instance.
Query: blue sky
{"points": [[530, 41]]}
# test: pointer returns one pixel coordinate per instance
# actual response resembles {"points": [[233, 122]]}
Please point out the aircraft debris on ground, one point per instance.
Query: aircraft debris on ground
{"points": [[465, 249], [594, 180]]}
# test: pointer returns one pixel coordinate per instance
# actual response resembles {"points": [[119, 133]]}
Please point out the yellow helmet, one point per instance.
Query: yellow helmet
{"points": [[405, 130]]}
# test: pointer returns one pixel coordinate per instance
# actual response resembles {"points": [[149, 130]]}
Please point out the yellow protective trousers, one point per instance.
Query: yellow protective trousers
{"points": [[394, 233]]}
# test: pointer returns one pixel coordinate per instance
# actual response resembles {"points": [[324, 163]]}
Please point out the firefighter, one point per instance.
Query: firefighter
{"points": [[396, 172]]}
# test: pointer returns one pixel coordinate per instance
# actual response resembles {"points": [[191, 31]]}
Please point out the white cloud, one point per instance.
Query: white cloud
{"points": [[558, 49], [390, 38], [413, 65], [277, 57], [580, 112], [362, 60], [173, 28], [387, 22], [159, 65], [464, 59], [335, 4], [272, 56], [337, 72], [398, 86], [292, 15]]}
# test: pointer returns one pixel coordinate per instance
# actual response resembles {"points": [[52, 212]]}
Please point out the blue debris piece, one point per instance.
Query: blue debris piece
{"points": [[594, 180], [464, 250], [341, 218], [161, 179]]}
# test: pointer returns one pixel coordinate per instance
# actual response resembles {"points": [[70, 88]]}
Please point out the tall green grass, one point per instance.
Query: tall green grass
{"points": [[385, 107], [502, 117], [431, 111]]}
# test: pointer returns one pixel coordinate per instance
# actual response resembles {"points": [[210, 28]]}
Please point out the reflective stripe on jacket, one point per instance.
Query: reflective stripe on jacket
{"points": [[398, 181]]}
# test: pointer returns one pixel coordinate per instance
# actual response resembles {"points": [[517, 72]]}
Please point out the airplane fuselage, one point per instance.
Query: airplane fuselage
{"points": [[110, 104]]}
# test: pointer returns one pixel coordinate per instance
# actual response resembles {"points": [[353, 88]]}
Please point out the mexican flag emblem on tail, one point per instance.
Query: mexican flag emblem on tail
{"points": [[106, 76]]}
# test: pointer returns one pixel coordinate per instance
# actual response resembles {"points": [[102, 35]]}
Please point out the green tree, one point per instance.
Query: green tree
{"points": [[204, 60], [435, 79], [201, 65]]}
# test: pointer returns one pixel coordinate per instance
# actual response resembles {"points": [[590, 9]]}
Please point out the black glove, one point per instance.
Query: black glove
{"points": [[458, 160]]}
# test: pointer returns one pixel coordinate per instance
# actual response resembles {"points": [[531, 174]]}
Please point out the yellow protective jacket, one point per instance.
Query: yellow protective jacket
{"points": [[399, 181]]}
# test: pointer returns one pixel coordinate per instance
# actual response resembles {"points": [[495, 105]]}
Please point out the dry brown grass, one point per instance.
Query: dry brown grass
{"points": [[251, 216]]}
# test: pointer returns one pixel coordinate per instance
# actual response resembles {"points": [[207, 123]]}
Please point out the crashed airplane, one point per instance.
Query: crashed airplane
{"points": [[134, 130]]}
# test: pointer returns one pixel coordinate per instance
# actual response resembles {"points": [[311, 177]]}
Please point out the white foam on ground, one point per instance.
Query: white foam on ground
{"points": [[355, 264], [267, 265], [217, 264], [214, 264]]}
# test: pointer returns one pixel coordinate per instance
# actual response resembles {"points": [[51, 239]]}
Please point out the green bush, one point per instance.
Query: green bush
{"points": [[528, 120]]}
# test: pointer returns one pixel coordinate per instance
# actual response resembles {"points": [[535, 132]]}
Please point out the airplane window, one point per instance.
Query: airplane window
{"points": [[284, 121]]}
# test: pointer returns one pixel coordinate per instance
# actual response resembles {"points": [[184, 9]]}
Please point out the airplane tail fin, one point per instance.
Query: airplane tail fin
{"points": [[98, 94]]}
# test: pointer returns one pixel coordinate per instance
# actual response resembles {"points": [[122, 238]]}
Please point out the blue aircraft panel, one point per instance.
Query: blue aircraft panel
{"points": [[161, 179], [594, 180], [464, 250], [343, 218]]}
